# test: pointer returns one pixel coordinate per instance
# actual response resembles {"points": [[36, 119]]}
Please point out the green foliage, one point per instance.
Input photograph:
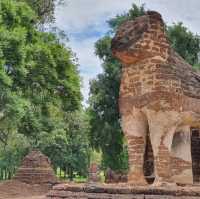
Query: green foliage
{"points": [[68, 146], [134, 12], [106, 134], [36, 66], [44, 9], [39, 91], [12, 155], [184, 42], [12, 111]]}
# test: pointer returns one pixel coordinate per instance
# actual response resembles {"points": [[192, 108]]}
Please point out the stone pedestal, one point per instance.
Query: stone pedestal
{"points": [[94, 173]]}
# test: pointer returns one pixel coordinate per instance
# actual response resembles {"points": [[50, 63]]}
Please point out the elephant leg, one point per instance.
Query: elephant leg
{"points": [[135, 128], [162, 127], [181, 160], [162, 160]]}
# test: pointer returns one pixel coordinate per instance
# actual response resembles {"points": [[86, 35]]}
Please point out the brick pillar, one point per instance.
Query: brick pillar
{"points": [[136, 150], [162, 164]]}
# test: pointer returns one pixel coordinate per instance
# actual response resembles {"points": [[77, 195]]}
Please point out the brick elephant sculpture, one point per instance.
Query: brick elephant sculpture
{"points": [[159, 100]]}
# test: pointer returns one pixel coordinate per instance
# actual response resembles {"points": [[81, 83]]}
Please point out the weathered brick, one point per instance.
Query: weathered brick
{"points": [[36, 169], [158, 81]]}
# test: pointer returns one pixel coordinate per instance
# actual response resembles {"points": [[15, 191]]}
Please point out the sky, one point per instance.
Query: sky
{"points": [[85, 21]]}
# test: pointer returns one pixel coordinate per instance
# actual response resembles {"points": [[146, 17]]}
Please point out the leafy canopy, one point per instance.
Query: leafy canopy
{"points": [[68, 145], [44, 9], [39, 79], [184, 42]]}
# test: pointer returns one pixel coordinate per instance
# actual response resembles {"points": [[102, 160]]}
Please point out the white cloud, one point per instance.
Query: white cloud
{"points": [[84, 50], [86, 18], [178, 11], [86, 87], [78, 15], [85, 22], [90, 65]]}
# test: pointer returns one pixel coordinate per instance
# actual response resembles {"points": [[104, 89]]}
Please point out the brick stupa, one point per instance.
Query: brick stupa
{"points": [[36, 169]]}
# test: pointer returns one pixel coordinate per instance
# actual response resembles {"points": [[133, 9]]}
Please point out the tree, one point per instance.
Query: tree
{"points": [[184, 42], [40, 92], [12, 102], [106, 134], [39, 79], [12, 155], [68, 146], [12, 111], [44, 9]]}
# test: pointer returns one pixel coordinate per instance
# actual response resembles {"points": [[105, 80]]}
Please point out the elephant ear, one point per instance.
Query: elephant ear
{"points": [[129, 33]]}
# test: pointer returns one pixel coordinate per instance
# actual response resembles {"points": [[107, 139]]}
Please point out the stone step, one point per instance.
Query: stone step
{"points": [[82, 195], [100, 191]]}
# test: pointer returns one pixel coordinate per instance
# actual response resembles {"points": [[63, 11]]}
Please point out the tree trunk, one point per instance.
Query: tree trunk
{"points": [[71, 174]]}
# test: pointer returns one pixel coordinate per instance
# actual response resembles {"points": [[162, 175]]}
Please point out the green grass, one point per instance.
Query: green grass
{"points": [[77, 178]]}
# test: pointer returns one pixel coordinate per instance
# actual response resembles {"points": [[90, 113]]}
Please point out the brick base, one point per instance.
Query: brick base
{"points": [[36, 176], [121, 191]]}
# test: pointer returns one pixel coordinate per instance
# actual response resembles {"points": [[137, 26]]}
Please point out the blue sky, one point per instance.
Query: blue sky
{"points": [[84, 21]]}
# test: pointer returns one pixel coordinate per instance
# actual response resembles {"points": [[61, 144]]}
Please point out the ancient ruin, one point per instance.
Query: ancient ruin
{"points": [[114, 176], [159, 105], [36, 169], [121, 191], [160, 112], [94, 173]]}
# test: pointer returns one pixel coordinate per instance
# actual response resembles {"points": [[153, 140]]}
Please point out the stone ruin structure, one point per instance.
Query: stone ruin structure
{"points": [[36, 169], [160, 113], [114, 176], [159, 105], [94, 173]]}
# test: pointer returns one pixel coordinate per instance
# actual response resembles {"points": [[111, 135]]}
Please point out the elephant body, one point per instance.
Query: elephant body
{"points": [[159, 100]]}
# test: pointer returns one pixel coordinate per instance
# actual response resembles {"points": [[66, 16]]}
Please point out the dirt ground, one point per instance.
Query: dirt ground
{"points": [[18, 190]]}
